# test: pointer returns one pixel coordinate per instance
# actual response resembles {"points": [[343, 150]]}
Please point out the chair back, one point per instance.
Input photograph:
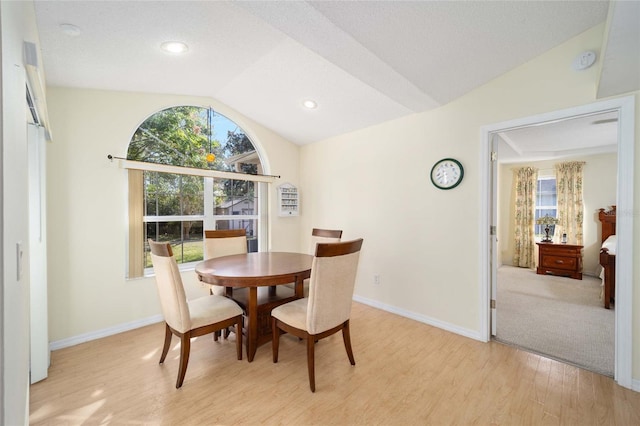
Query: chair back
{"points": [[333, 277], [224, 242], [170, 289], [324, 236]]}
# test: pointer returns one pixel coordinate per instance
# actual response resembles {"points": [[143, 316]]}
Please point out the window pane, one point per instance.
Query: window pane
{"points": [[185, 239], [235, 206], [184, 135], [169, 194], [547, 200], [235, 188], [547, 185], [235, 197], [192, 195]]}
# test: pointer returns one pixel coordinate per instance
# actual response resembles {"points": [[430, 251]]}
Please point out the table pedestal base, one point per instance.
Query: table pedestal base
{"points": [[257, 319]]}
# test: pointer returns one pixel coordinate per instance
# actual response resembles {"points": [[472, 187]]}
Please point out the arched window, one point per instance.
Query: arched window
{"points": [[169, 203]]}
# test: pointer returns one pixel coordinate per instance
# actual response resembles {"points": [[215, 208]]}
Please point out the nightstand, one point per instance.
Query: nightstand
{"points": [[560, 259]]}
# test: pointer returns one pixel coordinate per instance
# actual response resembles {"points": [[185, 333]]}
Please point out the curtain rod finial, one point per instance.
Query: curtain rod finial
{"points": [[110, 157]]}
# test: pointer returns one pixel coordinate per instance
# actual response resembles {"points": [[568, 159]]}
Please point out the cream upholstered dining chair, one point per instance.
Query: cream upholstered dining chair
{"points": [[319, 236], [328, 308], [189, 318], [324, 236], [224, 242]]}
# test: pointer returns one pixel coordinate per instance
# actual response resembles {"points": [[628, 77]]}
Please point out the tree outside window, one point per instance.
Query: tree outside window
{"points": [[175, 207]]}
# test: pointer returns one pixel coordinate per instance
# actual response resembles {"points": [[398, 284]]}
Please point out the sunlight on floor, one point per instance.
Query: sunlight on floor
{"points": [[151, 355], [97, 393], [77, 416]]}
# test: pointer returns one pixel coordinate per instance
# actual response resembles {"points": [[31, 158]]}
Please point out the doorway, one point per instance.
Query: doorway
{"points": [[623, 313]]}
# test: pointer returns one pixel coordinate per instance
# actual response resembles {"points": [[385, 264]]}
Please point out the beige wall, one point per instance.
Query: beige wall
{"points": [[87, 206], [599, 185], [423, 242]]}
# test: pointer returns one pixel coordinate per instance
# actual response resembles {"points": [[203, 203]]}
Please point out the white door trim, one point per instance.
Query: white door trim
{"points": [[624, 267]]}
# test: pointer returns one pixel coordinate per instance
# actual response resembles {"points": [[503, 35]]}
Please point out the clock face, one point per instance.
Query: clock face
{"points": [[447, 173]]}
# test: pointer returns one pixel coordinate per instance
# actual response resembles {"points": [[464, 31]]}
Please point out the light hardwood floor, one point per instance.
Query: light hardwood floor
{"points": [[406, 373]]}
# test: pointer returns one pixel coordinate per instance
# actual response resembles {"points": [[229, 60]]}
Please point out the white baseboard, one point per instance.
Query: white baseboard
{"points": [[635, 385], [421, 318], [110, 331], [98, 334]]}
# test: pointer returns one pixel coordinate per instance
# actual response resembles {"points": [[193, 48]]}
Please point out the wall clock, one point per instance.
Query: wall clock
{"points": [[447, 173]]}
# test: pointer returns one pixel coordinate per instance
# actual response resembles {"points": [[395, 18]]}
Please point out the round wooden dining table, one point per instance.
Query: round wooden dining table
{"points": [[254, 281]]}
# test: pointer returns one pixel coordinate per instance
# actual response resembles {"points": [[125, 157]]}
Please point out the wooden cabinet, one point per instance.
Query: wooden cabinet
{"points": [[288, 200], [560, 259]]}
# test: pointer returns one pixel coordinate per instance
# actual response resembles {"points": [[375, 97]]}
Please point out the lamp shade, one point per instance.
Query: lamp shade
{"points": [[547, 220]]}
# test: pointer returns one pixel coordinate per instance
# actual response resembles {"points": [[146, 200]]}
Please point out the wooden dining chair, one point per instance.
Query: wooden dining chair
{"points": [[223, 242], [328, 308], [319, 236], [189, 318], [324, 236]]}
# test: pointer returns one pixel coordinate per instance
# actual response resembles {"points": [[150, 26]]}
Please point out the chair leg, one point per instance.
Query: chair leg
{"points": [[239, 338], [346, 336], [167, 342], [216, 335], [185, 347], [311, 362], [275, 341]]}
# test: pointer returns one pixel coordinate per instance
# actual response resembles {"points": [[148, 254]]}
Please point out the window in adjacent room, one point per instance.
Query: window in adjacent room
{"points": [[177, 206], [546, 201]]}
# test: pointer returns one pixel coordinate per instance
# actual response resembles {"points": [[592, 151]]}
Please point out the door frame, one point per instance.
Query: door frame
{"points": [[625, 106]]}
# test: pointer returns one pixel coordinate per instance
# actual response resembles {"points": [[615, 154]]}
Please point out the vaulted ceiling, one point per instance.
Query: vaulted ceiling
{"points": [[362, 62]]}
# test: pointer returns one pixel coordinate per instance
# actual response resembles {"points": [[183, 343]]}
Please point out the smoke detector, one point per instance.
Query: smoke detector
{"points": [[584, 60]]}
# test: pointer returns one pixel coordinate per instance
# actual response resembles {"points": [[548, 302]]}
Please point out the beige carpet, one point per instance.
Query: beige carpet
{"points": [[561, 318]]}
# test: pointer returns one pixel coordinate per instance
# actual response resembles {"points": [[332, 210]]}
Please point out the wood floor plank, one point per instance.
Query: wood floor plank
{"points": [[553, 398], [569, 404], [406, 373]]}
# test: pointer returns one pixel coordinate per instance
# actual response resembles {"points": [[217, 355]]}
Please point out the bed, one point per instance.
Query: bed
{"points": [[608, 254]]}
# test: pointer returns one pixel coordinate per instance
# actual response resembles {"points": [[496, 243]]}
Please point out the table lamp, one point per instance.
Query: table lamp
{"points": [[547, 221]]}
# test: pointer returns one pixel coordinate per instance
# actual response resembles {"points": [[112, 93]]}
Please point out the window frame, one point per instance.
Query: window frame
{"points": [[209, 219], [136, 261]]}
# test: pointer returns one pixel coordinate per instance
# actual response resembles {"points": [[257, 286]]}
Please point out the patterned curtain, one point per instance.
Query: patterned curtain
{"points": [[570, 203], [525, 181]]}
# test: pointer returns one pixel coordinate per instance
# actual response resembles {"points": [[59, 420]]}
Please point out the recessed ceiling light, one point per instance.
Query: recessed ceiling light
{"points": [[310, 104], [70, 30], [174, 47]]}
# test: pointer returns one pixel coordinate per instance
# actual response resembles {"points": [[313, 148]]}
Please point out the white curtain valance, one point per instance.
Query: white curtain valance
{"points": [[164, 168]]}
